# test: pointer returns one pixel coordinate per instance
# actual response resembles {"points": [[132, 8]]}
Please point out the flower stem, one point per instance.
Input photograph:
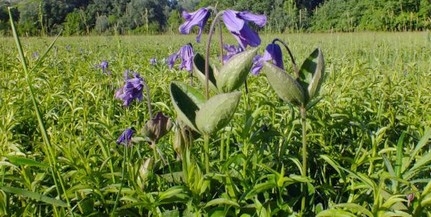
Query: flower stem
{"points": [[304, 153], [147, 89], [206, 153], [295, 67], [207, 54], [123, 166]]}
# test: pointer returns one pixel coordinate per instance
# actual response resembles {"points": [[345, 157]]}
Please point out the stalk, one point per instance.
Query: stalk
{"points": [[58, 181], [207, 54], [206, 152], [295, 67], [123, 171], [147, 89], [304, 153]]}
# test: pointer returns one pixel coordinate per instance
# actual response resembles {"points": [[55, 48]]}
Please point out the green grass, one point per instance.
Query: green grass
{"points": [[368, 137]]}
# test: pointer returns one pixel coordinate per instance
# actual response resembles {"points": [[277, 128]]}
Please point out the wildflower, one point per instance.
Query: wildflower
{"points": [[126, 137], [199, 18], [231, 51], [132, 89], [186, 54], [236, 22], [104, 65], [153, 61], [272, 52]]}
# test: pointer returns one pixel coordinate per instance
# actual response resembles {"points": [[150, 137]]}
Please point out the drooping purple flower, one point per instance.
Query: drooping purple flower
{"points": [[198, 18], [231, 50], [104, 65], [132, 89], [186, 54], [126, 137], [273, 53], [153, 61], [237, 23]]}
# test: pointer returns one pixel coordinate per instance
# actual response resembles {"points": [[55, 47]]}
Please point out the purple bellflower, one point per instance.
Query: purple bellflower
{"points": [[198, 18], [132, 89], [231, 50], [153, 61], [273, 53], [104, 65], [186, 54], [126, 137], [237, 23]]}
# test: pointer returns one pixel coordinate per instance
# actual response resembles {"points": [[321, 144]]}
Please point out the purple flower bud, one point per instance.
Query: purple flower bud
{"points": [[126, 137], [104, 65], [153, 61], [273, 53], [198, 18]]}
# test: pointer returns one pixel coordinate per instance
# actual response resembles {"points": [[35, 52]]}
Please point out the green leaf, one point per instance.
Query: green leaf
{"points": [[217, 112], [34, 196], [335, 213], [233, 73], [311, 73], [199, 72], [286, 87], [20, 161], [221, 201], [187, 101]]}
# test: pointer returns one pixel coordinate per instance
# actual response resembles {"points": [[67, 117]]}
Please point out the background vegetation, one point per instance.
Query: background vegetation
{"points": [[77, 17]]}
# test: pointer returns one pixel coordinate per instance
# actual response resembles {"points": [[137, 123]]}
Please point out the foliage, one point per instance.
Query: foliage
{"points": [[368, 136]]}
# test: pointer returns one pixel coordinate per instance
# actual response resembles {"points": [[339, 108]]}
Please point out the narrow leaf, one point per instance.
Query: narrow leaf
{"points": [[34, 196], [221, 201], [23, 161]]}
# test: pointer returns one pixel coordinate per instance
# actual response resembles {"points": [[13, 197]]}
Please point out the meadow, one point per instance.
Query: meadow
{"points": [[368, 136]]}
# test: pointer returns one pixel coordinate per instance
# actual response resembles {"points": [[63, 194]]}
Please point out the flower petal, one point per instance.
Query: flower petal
{"points": [[232, 22], [258, 19], [199, 18]]}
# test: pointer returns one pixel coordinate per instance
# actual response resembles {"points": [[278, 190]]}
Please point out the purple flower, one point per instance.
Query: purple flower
{"points": [[199, 18], [131, 90], [126, 137], [231, 50], [273, 53], [186, 54], [236, 22], [153, 61], [104, 65]]}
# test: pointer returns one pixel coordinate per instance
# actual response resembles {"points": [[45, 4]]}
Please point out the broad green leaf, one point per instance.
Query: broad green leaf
{"points": [[234, 72], [286, 87], [187, 101], [217, 112], [23, 161], [199, 72], [221, 201], [261, 187], [34, 196], [311, 73], [176, 193]]}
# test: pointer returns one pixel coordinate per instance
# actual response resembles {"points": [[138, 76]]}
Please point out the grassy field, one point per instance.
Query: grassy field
{"points": [[368, 137]]}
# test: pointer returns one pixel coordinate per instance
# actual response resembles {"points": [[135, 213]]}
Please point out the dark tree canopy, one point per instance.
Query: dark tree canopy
{"points": [[78, 17]]}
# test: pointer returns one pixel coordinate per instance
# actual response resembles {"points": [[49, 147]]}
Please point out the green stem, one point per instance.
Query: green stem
{"points": [[123, 171], [147, 89], [304, 154], [48, 149], [207, 54], [206, 152]]}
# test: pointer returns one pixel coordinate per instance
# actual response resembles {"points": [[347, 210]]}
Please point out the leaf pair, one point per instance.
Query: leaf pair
{"points": [[203, 116], [301, 90], [230, 76]]}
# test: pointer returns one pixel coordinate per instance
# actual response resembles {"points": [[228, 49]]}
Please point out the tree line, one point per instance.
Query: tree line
{"points": [[86, 17]]}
